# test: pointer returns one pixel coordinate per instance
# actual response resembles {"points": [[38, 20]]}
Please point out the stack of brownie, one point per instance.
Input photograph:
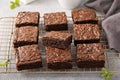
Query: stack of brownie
{"points": [[57, 44], [26, 41], [58, 50], [90, 52]]}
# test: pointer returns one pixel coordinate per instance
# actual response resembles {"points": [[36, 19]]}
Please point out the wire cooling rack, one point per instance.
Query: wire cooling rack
{"points": [[6, 50]]}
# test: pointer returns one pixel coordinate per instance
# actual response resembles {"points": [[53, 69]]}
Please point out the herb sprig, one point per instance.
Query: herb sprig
{"points": [[14, 4], [4, 63], [106, 74]]}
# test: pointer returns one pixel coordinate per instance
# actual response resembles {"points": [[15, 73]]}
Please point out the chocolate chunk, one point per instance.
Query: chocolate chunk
{"points": [[27, 19], [28, 57], [57, 39], [90, 55], [86, 33], [58, 58], [55, 21], [84, 16], [25, 35]]}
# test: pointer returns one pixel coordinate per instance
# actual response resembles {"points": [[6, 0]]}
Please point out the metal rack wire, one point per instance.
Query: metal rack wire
{"points": [[7, 53]]}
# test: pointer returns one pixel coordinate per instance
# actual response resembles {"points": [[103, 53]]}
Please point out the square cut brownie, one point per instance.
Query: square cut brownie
{"points": [[28, 57], [90, 55], [25, 35], [55, 21], [86, 33], [27, 19], [57, 39], [58, 58], [84, 16]]}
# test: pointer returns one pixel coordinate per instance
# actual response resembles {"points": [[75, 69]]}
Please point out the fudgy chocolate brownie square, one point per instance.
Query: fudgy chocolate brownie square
{"points": [[90, 55], [28, 57], [55, 21], [57, 39], [27, 19], [84, 16], [58, 58], [86, 33], [25, 35]]}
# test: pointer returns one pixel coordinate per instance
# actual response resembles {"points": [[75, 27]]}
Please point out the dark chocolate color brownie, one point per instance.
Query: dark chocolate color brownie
{"points": [[28, 57], [84, 16], [25, 35], [58, 58], [55, 21], [27, 19], [90, 55], [86, 33], [57, 39]]}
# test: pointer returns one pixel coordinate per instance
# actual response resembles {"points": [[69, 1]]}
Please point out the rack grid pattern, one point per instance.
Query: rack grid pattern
{"points": [[7, 26]]}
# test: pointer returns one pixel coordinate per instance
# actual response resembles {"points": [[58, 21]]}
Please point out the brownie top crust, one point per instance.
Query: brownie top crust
{"points": [[55, 18], [58, 35], [58, 55], [27, 18], [90, 52], [27, 54], [83, 14], [26, 33], [86, 31]]}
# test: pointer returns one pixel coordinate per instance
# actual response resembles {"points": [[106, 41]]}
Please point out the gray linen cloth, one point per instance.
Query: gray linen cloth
{"points": [[111, 23], [108, 7]]}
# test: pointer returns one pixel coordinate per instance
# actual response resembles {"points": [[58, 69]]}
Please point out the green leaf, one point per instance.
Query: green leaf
{"points": [[103, 75], [106, 74], [3, 63], [15, 4], [108, 78], [12, 6]]}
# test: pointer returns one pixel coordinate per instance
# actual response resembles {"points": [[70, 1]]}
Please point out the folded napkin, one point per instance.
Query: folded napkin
{"points": [[108, 7], [111, 23]]}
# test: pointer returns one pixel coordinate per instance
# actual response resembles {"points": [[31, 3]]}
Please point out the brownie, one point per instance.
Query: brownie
{"points": [[28, 57], [27, 19], [90, 55], [25, 35], [84, 16], [57, 39], [55, 21], [86, 33], [58, 58]]}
